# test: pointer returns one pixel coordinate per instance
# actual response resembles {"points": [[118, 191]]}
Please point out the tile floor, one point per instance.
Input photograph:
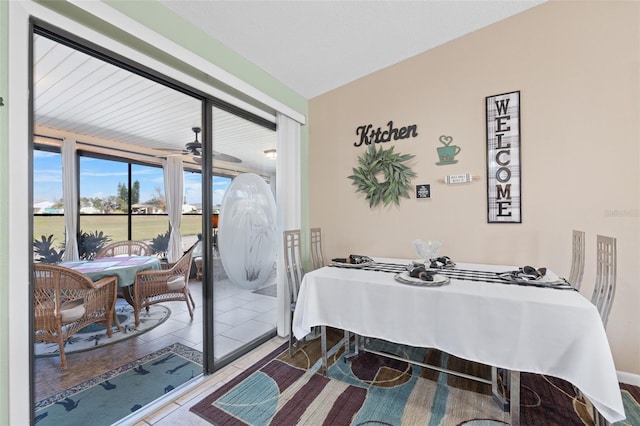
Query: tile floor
{"points": [[240, 316], [177, 411]]}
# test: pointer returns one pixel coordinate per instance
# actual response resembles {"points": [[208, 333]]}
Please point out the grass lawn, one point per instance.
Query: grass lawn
{"points": [[144, 227]]}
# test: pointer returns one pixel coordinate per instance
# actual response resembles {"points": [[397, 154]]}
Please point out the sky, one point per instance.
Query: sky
{"points": [[100, 178]]}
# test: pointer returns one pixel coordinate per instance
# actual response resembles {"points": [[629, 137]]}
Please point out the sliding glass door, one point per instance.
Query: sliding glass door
{"points": [[125, 127]]}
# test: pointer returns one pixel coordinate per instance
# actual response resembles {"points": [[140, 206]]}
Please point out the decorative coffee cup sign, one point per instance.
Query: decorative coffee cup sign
{"points": [[447, 152]]}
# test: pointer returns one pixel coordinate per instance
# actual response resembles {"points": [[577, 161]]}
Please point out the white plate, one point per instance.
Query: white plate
{"points": [[405, 278], [351, 265]]}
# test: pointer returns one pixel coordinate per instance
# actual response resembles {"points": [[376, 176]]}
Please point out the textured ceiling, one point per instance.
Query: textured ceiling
{"points": [[100, 105], [316, 46]]}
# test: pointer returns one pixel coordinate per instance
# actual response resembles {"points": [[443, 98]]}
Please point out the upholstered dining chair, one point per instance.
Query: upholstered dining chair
{"points": [[605, 288], [166, 285], [125, 248], [577, 259], [294, 272], [66, 301], [317, 260]]}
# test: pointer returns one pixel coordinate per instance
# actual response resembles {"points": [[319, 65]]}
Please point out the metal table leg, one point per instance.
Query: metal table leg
{"points": [[500, 394], [323, 344], [514, 403]]}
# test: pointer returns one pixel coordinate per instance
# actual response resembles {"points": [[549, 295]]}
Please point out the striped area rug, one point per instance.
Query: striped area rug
{"points": [[370, 389]]}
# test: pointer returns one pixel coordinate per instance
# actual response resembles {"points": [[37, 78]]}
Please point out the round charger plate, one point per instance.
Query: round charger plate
{"points": [[438, 280]]}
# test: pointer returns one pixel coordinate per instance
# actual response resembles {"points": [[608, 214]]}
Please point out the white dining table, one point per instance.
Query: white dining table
{"points": [[513, 327]]}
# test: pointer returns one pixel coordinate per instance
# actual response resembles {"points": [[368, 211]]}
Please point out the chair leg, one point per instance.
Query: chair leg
{"points": [[187, 295], [116, 320], [192, 301], [63, 357], [136, 314], [291, 337]]}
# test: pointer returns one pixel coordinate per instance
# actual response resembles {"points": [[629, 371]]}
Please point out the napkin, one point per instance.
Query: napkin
{"points": [[422, 273], [353, 259], [529, 273], [442, 262]]}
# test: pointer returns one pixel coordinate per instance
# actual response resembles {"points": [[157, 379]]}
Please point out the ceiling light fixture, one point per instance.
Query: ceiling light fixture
{"points": [[270, 154]]}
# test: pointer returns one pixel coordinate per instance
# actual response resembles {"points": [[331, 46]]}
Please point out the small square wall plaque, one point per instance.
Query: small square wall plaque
{"points": [[423, 191]]}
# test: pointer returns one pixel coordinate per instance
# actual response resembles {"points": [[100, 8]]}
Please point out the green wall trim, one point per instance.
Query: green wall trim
{"points": [[164, 21]]}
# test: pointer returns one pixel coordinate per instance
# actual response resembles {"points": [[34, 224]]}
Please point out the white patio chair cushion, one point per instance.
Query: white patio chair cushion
{"points": [[176, 283], [72, 310]]}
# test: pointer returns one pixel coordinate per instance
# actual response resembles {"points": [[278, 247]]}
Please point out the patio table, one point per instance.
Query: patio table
{"points": [[123, 267]]}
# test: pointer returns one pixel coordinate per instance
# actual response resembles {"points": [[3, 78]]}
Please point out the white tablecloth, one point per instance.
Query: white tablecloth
{"points": [[529, 329]]}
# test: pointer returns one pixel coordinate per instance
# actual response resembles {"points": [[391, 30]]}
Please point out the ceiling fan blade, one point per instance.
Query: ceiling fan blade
{"points": [[225, 157], [218, 156]]}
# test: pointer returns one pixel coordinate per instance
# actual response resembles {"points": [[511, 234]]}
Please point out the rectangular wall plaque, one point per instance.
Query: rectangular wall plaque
{"points": [[503, 158], [423, 191]]}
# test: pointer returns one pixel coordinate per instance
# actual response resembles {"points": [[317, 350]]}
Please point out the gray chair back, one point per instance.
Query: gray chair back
{"points": [[317, 260], [605, 288], [293, 262], [577, 259]]}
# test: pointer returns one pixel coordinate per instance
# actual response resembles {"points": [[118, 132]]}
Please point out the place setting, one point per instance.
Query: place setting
{"points": [[424, 272], [538, 277], [352, 261], [420, 276]]}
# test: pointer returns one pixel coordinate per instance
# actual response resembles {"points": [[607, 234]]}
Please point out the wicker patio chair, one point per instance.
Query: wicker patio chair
{"points": [[166, 285], [66, 301], [125, 248]]}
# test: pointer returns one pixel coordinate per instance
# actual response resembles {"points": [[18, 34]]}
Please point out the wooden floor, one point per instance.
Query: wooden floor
{"points": [[230, 304]]}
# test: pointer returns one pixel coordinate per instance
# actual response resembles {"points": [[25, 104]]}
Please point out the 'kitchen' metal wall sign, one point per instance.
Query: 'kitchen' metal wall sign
{"points": [[369, 135]]}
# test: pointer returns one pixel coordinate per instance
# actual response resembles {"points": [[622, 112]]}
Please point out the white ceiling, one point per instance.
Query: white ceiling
{"points": [[316, 46], [310, 46]]}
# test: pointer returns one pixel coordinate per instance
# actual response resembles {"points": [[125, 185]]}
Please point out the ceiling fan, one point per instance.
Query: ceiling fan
{"points": [[195, 149]]}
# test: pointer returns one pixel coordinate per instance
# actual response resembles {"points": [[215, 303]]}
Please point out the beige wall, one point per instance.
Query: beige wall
{"points": [[576, 66]]}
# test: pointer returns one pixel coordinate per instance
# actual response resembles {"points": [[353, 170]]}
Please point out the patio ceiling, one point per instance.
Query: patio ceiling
{"points": [[111, 110]]}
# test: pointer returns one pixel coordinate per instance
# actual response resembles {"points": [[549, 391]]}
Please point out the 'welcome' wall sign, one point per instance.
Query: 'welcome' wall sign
{"points": [[369, 135], [503, 158]]}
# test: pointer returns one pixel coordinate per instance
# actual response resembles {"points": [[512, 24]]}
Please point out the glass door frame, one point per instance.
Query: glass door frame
{"points": [[207, 105]]}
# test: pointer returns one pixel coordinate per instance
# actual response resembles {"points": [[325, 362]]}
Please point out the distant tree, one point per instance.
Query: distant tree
{"points": [[158, 201], [135, 193], [98, 203], [123, 192], [112, 204], [86, 202]]}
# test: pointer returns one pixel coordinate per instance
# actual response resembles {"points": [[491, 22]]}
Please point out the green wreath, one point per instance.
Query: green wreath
{"points": [[397, 176]]}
